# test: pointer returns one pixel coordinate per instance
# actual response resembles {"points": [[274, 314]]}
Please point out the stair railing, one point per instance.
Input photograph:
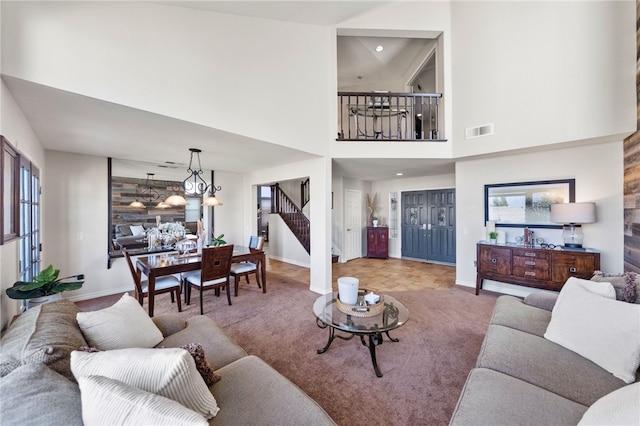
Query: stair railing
{"points": [[292, 215]]}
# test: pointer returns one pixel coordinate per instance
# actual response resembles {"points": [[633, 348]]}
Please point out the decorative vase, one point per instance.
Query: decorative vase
{"points": [[375, 223], [348, 290]]}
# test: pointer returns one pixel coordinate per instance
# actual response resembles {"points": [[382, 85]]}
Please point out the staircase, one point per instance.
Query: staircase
{"points": [[292, 215]]}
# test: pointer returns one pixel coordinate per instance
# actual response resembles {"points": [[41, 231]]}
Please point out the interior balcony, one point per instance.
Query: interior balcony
{"points": [[389, 116]]}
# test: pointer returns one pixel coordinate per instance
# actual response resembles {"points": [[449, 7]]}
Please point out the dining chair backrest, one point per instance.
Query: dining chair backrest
{"points": [[253, 241], [260, 244], [216, 262], [134, 272]]}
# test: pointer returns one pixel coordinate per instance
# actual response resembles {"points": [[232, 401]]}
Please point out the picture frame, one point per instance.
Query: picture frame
{"points": [[526, 204]]}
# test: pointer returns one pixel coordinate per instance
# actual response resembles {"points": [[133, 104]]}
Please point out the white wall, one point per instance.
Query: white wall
{"points": [[124, 52], [542, 72], [598, 172], [17, 130], [319, 173], [284, 246]]}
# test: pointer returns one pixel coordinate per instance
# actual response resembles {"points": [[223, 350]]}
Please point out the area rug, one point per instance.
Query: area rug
{"points": [[423, 373]]}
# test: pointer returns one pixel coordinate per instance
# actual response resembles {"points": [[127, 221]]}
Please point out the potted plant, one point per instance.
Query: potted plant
{"points": [[217, 241], [45, 284], [375, 222], [493, 237]]}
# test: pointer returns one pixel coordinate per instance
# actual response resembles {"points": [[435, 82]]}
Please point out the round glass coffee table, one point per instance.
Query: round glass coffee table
{"points": [[370, 329]]}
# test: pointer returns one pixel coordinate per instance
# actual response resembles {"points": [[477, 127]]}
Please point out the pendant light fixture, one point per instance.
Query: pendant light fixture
{"points": [[211, 200], [149, 193], [194, 184]]}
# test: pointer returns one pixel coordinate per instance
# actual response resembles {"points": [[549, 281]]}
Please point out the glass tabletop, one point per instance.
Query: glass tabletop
{"points": [[393, 316]]}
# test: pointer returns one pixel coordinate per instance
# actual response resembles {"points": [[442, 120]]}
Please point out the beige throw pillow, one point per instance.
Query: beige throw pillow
{"points": [[110, 402], [122, 325], [167, 372]]}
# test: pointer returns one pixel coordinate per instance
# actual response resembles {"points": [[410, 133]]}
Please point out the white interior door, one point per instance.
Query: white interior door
{"points": [[353, 225]]}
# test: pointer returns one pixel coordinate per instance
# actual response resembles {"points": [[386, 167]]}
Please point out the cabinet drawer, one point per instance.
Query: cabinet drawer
{"points": [[495, 260], [527, 267], [565, 265], [531, 253]]}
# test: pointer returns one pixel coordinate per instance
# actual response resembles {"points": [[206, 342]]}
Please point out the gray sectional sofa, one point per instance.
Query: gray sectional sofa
{"points": [[37, 386], [521, 378]]}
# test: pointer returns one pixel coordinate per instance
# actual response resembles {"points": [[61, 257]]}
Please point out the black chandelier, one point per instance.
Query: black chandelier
{"points": [[194, 184], [149, 194]]}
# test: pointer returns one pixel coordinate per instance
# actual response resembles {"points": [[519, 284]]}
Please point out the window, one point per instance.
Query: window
{"points": [[29, 220], [9, 190]]}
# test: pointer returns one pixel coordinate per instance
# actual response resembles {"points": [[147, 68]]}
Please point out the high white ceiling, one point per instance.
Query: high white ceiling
{"points": [[69, 122]]}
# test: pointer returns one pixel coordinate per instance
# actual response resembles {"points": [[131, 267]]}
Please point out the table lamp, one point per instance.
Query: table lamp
{"points": [[572, 215]]}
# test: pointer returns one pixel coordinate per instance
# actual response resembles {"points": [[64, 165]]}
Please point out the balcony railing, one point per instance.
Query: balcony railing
{"points": [[387, 116]]}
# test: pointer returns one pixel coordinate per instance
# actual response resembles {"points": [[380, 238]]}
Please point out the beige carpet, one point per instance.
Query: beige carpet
{"points": [[423, 373]]}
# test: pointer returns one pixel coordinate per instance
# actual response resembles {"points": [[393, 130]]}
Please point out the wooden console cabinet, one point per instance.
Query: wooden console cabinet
{"points": [[378, 242], [533, 266]]}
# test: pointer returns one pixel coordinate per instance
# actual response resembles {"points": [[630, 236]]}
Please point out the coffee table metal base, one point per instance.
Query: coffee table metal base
{"points": [[368, 339]]}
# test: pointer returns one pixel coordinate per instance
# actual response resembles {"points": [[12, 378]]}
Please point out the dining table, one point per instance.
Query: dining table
{"points": [[162, 264]]}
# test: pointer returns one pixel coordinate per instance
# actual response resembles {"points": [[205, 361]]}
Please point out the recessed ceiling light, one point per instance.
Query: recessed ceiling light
{"points": [[399, 174], [379, 48]]}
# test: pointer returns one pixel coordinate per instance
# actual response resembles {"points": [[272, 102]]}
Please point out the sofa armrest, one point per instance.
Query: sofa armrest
{"points": [[541, 300], [169, 324]]}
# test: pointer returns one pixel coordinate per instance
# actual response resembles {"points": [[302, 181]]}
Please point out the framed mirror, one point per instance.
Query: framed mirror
{"points": [[527, 204], [147, 185]]}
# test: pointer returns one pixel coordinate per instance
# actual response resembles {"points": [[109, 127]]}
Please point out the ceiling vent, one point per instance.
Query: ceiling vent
{"points": [[476, 132]]}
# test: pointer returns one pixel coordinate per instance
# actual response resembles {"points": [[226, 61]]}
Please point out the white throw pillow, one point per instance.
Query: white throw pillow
{"points": [[601, 329], [170, 372], [619, 408], [137, 230], [125, 324], [601, 288], [110, 402]]}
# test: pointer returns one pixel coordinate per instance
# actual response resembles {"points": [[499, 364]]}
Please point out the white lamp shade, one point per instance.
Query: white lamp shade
{"points": [[137, 204], [211, 201], [568, 213], [176, 200]]}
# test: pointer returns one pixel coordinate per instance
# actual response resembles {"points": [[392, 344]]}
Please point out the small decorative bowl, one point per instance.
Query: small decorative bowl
{"points": [[371, 298]]}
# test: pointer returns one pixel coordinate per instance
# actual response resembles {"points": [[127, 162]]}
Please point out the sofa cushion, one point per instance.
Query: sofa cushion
{"points": [[219, 349], [170, 372], [512, 312], [621, 407], [111, 328], [274, 399], [110, 402], [493, 398], [44, 334], [627, 285], [169, 324], [34, 394], [603, 330], [542, 300], [123, 230], [545, 364]]}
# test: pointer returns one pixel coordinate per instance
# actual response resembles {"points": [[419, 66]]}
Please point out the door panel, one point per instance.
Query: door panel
{"points": [[442, 235], [428, 225], [414, 224]]}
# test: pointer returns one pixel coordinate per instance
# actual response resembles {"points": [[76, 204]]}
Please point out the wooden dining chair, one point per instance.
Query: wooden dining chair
{"points": [[165, 284], [244, 269], [214, 273]]}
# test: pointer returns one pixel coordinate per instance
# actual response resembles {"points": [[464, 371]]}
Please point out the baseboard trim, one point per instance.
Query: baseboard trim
{"points": [[96, 294]]}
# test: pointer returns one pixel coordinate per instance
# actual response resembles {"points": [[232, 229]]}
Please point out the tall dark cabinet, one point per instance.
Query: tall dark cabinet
{"points": [[378, 242]]}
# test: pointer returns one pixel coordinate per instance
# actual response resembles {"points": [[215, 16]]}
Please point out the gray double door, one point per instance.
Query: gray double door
{"points": [[429, 225]]}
